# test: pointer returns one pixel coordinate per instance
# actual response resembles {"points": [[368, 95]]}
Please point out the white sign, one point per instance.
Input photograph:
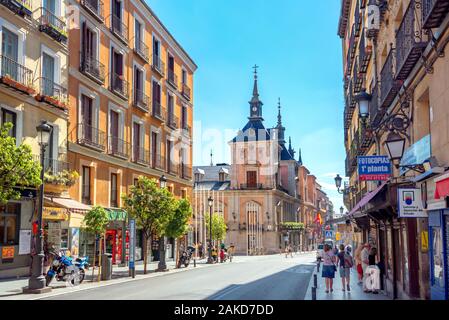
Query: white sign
{"points": [[25, 242], [410, 203]]}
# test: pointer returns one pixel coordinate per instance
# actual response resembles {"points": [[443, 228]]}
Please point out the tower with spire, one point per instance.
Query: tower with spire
{"points": [[280, 128], [255, 104]]}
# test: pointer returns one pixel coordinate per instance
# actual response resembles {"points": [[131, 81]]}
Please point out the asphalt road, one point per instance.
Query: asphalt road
{"points": [[246, 278]]}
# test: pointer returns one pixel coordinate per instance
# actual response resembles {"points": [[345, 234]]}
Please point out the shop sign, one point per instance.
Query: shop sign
{"points": [[424, 241], [117, 215], [132, 242], [374, 168], [410, 203], [8, 253], [51, 213], [416, 154]]}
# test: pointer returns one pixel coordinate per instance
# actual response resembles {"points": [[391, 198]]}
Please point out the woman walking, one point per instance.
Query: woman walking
{"points": [[358, 263], [329, 267], [374, 271], [345, 264]]}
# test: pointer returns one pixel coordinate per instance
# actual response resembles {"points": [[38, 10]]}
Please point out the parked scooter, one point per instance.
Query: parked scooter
{"points": [[63, 269], [185, 257]]}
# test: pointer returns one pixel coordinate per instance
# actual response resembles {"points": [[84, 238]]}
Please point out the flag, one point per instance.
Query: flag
{"points": [[318, 219]]}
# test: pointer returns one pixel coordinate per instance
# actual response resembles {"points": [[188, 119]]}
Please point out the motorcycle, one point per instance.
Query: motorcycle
{"points": [[64, 269], [185, 257]]}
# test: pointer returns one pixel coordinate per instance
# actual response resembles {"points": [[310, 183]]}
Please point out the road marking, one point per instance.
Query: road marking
{"points": [[226, 292]]}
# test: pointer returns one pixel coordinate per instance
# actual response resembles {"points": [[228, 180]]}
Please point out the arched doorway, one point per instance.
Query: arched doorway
{"points": [[254, 228]]}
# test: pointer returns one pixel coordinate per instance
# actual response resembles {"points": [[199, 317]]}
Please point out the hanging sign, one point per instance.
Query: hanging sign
{"points": [[410, 203], [24, 242], [57, 214], [416, 154], [374, 168]]}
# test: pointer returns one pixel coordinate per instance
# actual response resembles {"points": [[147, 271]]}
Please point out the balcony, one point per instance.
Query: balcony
{"points": [[349, 166], [172, 168], [118, 28], [253, 186], [357, 20], [19, 7], [141, 100], [409, 43], [53, 166], [142, 50], [92, 68], [158, 65], [91, 137], [52, 93], [389, 85], [172, 120], [352, 46], [185, 91], [365, 53], [172, 78], [141, 155], [186, 171], [16, 76], [186, 129], [95, 8], [118, 147], [52, 25], [158, 111], [158, 162], [434, 12], [365, 140], [119, 86], [375, 113], [358, 78]]}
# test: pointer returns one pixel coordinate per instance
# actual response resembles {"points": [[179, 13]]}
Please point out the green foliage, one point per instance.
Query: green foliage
{"points": [[65, 177], [96, 220], [17, 167], [151, 206], [292, 226], [179, 222], [218, 226]]}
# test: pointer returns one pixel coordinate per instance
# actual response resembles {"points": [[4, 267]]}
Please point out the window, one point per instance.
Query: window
{"points": [[169, 155], [138, 85], [9, 116], [156, 98], [9, 224], [117, 79], [156, 53], [251, 179], [184, 117], [48, 74], [197, 177], [135, 181], [85, 197], [114, 202], [10, 55], [221, 176], [64, 238], [184, 76], [184, 193], [89, 42], [138, 151], [137, 34]]}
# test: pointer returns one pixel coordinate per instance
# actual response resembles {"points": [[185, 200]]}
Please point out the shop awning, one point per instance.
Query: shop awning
{"points": [[70, 204], [367, 198], [442, 187]]}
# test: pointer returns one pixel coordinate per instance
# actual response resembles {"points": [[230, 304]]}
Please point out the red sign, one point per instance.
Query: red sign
{"points": [[8, 252], [374, 177]]}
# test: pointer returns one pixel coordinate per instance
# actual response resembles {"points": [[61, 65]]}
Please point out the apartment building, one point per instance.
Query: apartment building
{"points": [[33, 87], [131, 108], [395, 51]]}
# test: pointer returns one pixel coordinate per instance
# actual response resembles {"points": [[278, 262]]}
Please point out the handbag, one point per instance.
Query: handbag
{"points": [[333, 264]]}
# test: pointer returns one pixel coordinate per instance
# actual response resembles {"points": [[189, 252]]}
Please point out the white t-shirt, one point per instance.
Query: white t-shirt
{"points": [[365, 256], [327, 258]]}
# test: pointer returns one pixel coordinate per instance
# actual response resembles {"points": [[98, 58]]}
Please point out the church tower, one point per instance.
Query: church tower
{"points": [[255, 104]]}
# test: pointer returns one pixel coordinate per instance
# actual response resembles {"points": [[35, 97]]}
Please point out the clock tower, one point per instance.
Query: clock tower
{"points": [[255, 104]]}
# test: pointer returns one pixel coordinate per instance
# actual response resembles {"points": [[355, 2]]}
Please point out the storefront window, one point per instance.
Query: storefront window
{"points": [[9, 224], [390, 254], [64, 239], [437, 266]]}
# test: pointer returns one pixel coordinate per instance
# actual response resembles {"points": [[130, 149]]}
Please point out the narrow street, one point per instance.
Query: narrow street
{"points": [[260, 278]]}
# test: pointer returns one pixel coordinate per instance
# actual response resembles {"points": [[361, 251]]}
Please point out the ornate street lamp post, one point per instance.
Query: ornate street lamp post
{"points": [[210, 202], [162, 266], [36, 283]]}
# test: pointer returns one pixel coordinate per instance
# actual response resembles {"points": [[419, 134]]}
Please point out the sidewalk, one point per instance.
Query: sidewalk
{"points": [[11, 289], [356, 292]]}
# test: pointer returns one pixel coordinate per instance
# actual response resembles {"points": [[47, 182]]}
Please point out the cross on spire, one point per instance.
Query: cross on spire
{"points": [[255, 70], [279, 113], [211, 158]]}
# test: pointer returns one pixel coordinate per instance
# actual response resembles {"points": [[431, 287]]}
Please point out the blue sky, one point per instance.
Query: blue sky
{"points": [[295, 44]]}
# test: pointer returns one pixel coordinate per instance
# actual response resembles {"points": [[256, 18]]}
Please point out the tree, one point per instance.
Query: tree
{"points": [[179, 221], [95, 222], [218, 227], [17, 167], [151, 207]]}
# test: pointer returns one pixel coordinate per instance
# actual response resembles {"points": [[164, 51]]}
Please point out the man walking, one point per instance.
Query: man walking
{"points": [[365, 264]]}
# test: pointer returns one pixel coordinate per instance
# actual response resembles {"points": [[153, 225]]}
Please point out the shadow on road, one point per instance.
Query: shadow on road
{"points": [[288, 284]]}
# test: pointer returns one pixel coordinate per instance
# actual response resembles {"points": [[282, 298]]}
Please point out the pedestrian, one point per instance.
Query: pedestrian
{"points": [[358, 263], [200, 250], [364, 256], [214, 254], [345, 263], [290, 250], [329, 267], [231, 251], [222, 255], [280, 250], [374, 271]]}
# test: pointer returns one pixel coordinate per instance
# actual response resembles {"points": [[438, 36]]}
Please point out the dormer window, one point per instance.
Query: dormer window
{"points": [[221, 176], [197, 177]]}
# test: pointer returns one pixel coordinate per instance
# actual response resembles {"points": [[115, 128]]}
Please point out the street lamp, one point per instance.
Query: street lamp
{"points": [[395, 145], [363, 99], [162, 266], [36, 283], [342, 209], [210, 202], [338, 180], [163, 181]]}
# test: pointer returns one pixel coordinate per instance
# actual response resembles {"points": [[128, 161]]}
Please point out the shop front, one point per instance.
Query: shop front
{"points": [[117, 236]]}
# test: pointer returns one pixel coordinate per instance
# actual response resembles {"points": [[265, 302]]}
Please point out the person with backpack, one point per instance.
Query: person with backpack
{"points": [[329, 267], [345, 263]]}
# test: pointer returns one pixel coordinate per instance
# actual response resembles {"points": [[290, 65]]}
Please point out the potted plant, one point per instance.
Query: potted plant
{"points": [[61, 181]]}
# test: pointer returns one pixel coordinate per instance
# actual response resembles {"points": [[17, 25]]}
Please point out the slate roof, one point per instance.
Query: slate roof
{"points": [[258, 132], [212, 185], [211, 173]]}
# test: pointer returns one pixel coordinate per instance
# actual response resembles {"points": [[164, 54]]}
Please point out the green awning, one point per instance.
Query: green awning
{"points": [[116, 214]]}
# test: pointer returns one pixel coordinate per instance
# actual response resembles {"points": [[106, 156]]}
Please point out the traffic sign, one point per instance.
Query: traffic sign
{"points": [[328, 234]]}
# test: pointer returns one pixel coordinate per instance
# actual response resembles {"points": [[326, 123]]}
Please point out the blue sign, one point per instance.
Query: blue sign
{"points": [[374, 168], [417, 153], [328, 234], [132, 242]]}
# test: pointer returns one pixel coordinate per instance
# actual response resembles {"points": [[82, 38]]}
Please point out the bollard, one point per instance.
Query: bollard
{"points": [[194, 263], [318, 266], [313, 293], [315, 280]]}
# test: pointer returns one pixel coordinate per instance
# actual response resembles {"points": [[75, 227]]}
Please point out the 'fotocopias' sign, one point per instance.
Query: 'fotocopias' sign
{"points": [[374, 168]]}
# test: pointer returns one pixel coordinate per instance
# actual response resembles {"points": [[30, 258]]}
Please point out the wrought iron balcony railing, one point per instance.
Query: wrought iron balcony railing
{"points": [[252, 186], [434, 12], [357, 19], [365, 53], [118, 147], [142, 50], [389, 87], [172, 120], [358, 78], [94, 7], [19, 7], [186, 171], [375, 114], [92, 68], [50, 24], [158, 65], [186, 129], [51, 93], [118, 28], [141, 155], [186, 91], [158, 111], [91, 137], [53, 166], [172, 167], [158, 162], [119, 86], [410, 43], [172, 78], [141, 100], [15, 75]]}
